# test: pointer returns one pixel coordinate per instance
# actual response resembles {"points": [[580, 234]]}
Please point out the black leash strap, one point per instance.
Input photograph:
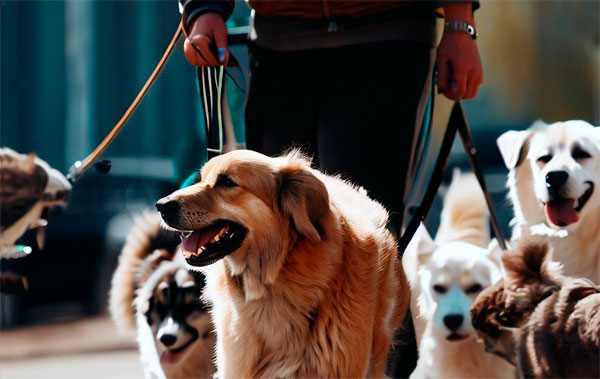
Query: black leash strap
{"points": [[456, 123]]}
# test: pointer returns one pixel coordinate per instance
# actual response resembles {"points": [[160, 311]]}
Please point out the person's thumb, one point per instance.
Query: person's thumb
{"points": [[220, 37]]}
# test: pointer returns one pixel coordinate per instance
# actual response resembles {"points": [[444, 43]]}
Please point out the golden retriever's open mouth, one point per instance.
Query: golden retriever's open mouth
{"points": [[206, 246], [563, 212]]}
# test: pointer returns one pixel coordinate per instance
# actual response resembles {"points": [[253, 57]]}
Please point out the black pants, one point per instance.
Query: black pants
{"points": [[354, 110]]}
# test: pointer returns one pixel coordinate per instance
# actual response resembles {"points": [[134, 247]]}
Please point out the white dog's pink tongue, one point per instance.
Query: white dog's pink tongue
{"points": [[561, 212]]}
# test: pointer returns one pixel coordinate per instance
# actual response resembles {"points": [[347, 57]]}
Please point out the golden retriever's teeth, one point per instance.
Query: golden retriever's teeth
{"points": [[223, 230]]}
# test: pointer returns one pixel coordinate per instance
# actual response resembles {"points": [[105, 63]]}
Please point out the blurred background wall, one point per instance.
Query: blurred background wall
{"points": [[71, 68]]}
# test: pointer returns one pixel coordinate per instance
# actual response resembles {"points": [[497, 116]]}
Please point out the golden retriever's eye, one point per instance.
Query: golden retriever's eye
{"points": [[474, 288], [439, 288], [578, 153], [545, 158], [224, 181]]}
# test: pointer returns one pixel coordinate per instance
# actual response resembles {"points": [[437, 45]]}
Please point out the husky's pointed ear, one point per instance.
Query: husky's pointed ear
{"points": [[421, 246], [511, 145], [303, 200]]}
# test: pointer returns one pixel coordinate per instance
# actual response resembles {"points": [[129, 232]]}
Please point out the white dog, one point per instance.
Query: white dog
{"points": [[445, 277], [553, 180]]}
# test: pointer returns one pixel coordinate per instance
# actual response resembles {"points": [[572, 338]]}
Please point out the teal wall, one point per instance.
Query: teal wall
{"points": [[70, 70]]}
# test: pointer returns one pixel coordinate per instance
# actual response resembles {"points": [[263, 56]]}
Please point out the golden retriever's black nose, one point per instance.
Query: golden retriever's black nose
{"points": [[556, 180], [453, 321], [167, 206], [168, 339]]}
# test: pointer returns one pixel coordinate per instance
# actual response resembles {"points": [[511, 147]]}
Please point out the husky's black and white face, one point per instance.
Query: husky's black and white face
{"points": [[177, 315]]}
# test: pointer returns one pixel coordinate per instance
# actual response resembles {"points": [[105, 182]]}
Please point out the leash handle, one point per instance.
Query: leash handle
{"points": [[467, 139], [80, 167], [434, 184], [456, 123]]}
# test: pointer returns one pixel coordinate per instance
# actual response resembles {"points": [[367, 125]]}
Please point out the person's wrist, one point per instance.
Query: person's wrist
{"points": [[459, 11], [191, 19]]}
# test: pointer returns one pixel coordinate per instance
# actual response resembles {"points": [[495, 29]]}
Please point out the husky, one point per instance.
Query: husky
{"points": [[153, 292]]}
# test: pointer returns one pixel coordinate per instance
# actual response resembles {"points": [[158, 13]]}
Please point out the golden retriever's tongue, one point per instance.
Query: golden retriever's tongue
{"points": [[198, 238], [561, 212]]}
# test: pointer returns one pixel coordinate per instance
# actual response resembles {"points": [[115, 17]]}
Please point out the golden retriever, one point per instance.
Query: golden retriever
{"points": [[302, 274]]}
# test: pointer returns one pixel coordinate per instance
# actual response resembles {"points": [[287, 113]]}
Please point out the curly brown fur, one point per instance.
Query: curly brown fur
{"points": [[546, 324]]}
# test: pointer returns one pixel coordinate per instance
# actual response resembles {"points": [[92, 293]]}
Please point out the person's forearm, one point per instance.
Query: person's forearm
{"points": [[459, 11], [193, 8]]}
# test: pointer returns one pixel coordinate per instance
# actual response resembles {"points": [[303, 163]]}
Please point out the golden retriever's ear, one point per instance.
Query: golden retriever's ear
{"points": [[511, 146], [303, 200]]}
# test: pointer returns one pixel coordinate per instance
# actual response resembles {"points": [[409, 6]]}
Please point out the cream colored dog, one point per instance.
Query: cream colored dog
{"points": [[302, 274], [554, 182], [445, 278]]}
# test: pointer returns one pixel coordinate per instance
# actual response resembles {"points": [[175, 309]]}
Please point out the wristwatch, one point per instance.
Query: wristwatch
{"points": [[461, 26]]}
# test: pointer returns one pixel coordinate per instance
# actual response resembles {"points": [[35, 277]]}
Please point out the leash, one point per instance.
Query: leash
{"points": [[80, 167], [456, 124], [211, 83]]}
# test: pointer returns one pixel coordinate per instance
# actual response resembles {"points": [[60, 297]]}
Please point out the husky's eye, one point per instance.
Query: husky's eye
{"points": [[439, 288], [545, 158], [224, 181], [474, 288], [578, 153]]}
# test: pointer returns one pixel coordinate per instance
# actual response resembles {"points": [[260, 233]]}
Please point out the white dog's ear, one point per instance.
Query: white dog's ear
{"points": [[511, 146], [304, 200], [421, 246]]}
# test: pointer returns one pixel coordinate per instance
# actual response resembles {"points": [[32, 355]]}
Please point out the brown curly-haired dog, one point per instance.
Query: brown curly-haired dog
{"points": [[546, 324]]}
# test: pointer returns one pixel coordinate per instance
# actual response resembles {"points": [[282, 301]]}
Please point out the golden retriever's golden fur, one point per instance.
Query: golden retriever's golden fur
{"points": [[316, 288]]}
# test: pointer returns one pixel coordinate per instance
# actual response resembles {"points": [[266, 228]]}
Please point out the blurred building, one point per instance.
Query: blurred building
{"points": [[69, 69]]}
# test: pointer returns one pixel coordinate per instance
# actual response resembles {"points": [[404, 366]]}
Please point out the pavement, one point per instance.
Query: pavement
{"points": [[89, 349]]}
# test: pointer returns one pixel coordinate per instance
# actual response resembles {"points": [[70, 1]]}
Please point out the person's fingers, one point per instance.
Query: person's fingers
{"points": [[192, 55], [202, 45], [458, 82], [220, 35], [443, 68], [473, 84]]}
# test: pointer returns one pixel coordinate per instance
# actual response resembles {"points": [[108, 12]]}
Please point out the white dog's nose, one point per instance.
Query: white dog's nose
{"points": [[453, 321]]}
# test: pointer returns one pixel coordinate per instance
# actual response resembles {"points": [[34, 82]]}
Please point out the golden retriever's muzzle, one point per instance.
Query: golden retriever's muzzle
{"points": [[170, 211], [208, 244]]}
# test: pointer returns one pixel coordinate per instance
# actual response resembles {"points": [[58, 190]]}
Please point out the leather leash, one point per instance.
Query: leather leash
{"points": [[80, 167], [456, 123]]}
